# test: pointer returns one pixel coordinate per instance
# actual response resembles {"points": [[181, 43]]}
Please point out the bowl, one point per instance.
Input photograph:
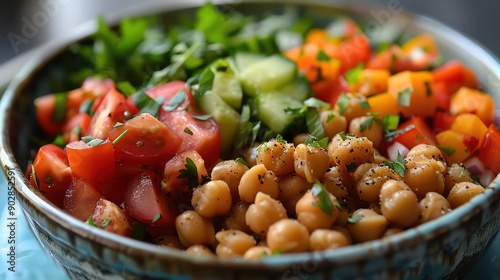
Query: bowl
{"points": [[443, 248]]}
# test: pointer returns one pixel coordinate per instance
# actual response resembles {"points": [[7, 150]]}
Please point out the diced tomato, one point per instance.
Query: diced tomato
{"points": [[455, 75], [110, 217], [442, 95], [146, 203], [45, 107], [145, 141], [113, 108], [200, 135], [173, 185], [75, 126], [352, 52], [52, 173], [81, 199], [416, 131], [391, 59], [489, 153], [442, 121], [91, 162]]}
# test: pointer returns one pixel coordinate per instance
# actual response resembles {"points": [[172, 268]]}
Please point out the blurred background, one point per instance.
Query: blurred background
{"points": [[26, 24]]}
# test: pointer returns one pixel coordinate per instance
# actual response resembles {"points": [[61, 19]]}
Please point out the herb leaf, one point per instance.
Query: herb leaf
{"points": [[448, 150], [354, 218], [343, 103], [404, 97], [90, 221], [353, 75], [399, 165], [156, 218], [324, 202], [190, 173], [175, 101]]}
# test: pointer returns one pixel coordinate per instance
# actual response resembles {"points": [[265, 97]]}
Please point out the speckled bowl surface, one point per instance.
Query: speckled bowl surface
{"points": [[439, 249]]}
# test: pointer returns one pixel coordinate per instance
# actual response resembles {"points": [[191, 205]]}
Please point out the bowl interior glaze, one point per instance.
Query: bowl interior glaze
{"points": [[437, 249]]}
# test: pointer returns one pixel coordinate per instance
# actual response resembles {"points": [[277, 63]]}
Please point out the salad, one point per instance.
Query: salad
{"points": [[248, 137]]}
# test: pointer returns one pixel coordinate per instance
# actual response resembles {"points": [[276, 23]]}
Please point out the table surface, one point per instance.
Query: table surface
{"points": [[476, 19]]}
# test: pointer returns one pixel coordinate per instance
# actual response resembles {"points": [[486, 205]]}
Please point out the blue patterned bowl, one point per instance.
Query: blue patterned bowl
{"points": [[442, 248]]}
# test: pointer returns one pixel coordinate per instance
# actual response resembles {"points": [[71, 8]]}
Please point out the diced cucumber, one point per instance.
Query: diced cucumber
{"points": [[243, 60], [267, 75], [271, 110], [299, 89], [227, 86], [225, 116]]}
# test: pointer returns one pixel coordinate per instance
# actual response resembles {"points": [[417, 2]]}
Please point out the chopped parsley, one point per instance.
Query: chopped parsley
{"points": [[365, 105], [404, 97], [330, 117], [188, 131], [354, 218], [342, 136], [428, 89], [105, 223], [156, 218], [315, 142], [205, 117], [448, 150], [324, 202], [91, 141], [343, 103], [399, 165], [120, 136], [175, 101], [351, 166], [353, 75], [190, 173], [90, 222], [241, 160], [322, 56]]}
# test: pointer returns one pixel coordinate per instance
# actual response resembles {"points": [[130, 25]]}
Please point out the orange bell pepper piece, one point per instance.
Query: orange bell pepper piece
{"points": [[468, 100], [413, 90]]}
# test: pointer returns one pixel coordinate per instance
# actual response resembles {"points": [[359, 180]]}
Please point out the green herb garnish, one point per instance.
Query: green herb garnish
{"points": [[324, 202], [399, 165], [404, 97]]}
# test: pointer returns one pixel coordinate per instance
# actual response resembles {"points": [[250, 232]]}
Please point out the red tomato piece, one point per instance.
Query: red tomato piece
{"points": [[145, 142], [113, 108], [52, 172], [44, 110], [110, 217], [75, 126], [416, 131], [80, 199], [92, 163], [145, 202], [442, 121], [489, 152], [455, 75], [353, 51], [442, 95], [200, 135]]}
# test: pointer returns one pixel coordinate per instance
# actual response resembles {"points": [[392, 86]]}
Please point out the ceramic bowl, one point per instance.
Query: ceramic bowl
{"points": [[442, 248]]}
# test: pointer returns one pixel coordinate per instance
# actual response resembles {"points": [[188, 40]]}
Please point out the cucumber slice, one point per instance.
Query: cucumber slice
{"points": [[225, 116], [228, 87], [243, 60], [271, 110], [299, 89], [267, 75]]}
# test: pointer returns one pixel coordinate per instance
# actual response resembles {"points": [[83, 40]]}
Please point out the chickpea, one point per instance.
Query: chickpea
{"points": [[344, 231], [322, 239], [192, 228], [433, 206], [370, 179], [250, 155], [399, 204], [235, 219], [338, 182], [292, 188], [312, 216], [424, 175], [199, 250], [277, 156], [263, 213], [212, 199], [229, 171], [351, 152], [257, 253], [257, 179], [391, 232], [375, 207], [456, 173], [378, 158], [428, 151], [311, 162], [366, 225], [354, 108], [462, 192], [170, 240], [233, 243], [288, 236], [366, 127], [300, 138], [332, 122]]}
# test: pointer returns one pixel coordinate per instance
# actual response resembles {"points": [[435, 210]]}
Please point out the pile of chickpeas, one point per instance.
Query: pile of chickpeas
{"points": [[266, 205]]}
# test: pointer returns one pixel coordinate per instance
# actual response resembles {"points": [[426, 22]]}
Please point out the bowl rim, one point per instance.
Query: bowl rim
{"points": [[128, 245]]}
